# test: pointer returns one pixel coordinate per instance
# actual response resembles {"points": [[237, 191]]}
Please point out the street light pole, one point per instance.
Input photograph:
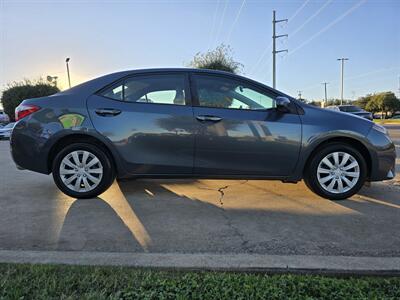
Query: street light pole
{"points": [[69, 78], [326, 94], [341, 74]]}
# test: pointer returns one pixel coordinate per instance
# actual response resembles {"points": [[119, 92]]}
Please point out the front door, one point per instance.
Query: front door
{"points": [[239, 130], [149, 120]]}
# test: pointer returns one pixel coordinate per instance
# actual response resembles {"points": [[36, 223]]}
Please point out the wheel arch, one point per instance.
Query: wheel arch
{"points": [[358, 145], [79, 138]]}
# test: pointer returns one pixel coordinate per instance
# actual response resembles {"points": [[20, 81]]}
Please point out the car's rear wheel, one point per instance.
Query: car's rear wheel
{"points": [[337, 171], [83, 170]]}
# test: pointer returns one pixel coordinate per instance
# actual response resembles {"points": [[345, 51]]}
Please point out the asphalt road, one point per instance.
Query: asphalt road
{"points": [[198, 216]]}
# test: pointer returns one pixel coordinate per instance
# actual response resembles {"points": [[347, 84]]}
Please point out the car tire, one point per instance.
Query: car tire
{"points": [[336, 171], [83, 170]]}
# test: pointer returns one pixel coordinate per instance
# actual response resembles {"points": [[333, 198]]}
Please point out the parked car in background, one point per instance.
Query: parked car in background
{"points": [[191, 123], [352, 109], [396, 117], [4, 117], [5, 131]]}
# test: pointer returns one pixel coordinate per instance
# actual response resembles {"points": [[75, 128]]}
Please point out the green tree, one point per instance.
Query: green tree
{"points": [[385, 102], [362, 101], [16, 92], [372, 105], [337, 102], [218, 59], [390, 103]]}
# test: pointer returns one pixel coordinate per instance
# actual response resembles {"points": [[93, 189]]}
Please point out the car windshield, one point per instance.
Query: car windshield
{"points": [[350, 108], [9, 125]]}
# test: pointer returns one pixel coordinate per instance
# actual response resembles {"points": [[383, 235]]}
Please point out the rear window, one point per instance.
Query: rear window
{"points": [[351, 108], [160, 89]]}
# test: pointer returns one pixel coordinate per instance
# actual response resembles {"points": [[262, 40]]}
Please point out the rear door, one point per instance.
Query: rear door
{"points": [[149, 119], [239, 130]]}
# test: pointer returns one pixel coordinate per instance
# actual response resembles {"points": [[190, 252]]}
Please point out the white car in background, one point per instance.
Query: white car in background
{"points": [[4, 117], [351, 109], [5, 132]]}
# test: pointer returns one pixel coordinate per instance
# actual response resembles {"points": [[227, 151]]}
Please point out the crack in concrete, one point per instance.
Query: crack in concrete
{"points": [[236, 231], [228, 220], [221, 190], [221, 197]]}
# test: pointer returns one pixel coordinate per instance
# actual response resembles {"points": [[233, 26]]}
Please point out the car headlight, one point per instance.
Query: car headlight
{"points": [[380, 128]]}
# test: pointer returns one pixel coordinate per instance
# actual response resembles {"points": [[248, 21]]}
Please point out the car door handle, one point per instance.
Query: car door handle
{"points": [[107, 112], [208, 118]]}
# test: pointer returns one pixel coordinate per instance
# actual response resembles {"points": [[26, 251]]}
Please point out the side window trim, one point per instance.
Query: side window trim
{"points": [[185, 74], [195, 96]]}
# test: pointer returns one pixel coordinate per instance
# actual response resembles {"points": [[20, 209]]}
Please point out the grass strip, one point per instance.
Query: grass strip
{"points": [[387, 121], [24, 281]]}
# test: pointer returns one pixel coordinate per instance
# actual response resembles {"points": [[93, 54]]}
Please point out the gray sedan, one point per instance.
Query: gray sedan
{"points": [[189, 123]]}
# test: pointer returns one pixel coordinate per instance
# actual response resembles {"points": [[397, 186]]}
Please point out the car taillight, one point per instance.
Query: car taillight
{"points": [[24, 110]]}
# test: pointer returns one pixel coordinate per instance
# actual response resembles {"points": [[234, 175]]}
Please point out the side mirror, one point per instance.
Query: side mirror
{"points": [[282, 104]]}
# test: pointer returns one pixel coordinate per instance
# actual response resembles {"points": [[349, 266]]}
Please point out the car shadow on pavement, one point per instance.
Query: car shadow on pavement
{"points": [[94, 225], [383, 195], [110, 221], [188, 216]]}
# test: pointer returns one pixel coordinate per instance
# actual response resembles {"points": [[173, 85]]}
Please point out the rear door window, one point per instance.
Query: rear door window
{"points": [[160, 89]]}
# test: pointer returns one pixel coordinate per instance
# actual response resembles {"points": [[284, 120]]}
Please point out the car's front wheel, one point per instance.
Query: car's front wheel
{"points": [[337, 171], [83, 170]]}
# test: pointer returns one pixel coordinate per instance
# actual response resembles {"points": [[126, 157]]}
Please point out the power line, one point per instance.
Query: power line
{"points": [[311, 18], [213, 25], [235, 21], [298, 10], [257, 64], [354, 7], [221, 22], [354, 77]]}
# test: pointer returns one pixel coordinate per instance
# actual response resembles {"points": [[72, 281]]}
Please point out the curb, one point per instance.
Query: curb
{"points": [[313, 264]]}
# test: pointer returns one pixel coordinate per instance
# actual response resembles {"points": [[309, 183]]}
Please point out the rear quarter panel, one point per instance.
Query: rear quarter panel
{"points": [[34, 136]]}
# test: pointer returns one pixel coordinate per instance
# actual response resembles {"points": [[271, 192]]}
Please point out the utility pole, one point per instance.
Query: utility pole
{"points": [[274, 51], [299, 94], [399, 86], [69, 78], [341, 75], [326, 94]]}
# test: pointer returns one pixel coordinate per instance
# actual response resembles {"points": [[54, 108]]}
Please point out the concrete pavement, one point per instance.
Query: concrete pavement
{"points": [[197, 217]]}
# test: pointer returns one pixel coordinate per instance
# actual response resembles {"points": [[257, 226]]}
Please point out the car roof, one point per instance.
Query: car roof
{"points": [[98, 83]]}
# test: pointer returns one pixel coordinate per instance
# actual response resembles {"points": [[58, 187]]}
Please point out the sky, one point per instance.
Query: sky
{"points": [[102, 37]]}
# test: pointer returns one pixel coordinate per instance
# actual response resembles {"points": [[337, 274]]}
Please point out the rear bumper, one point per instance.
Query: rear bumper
{"points": [[27, 149]]}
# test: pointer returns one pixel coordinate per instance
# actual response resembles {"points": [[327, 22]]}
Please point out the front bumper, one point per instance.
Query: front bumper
{"points": [[383, 156]]}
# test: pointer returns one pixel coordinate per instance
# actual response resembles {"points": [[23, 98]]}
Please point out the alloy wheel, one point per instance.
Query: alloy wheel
{"points": [[81, 171], [338, 172]]}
